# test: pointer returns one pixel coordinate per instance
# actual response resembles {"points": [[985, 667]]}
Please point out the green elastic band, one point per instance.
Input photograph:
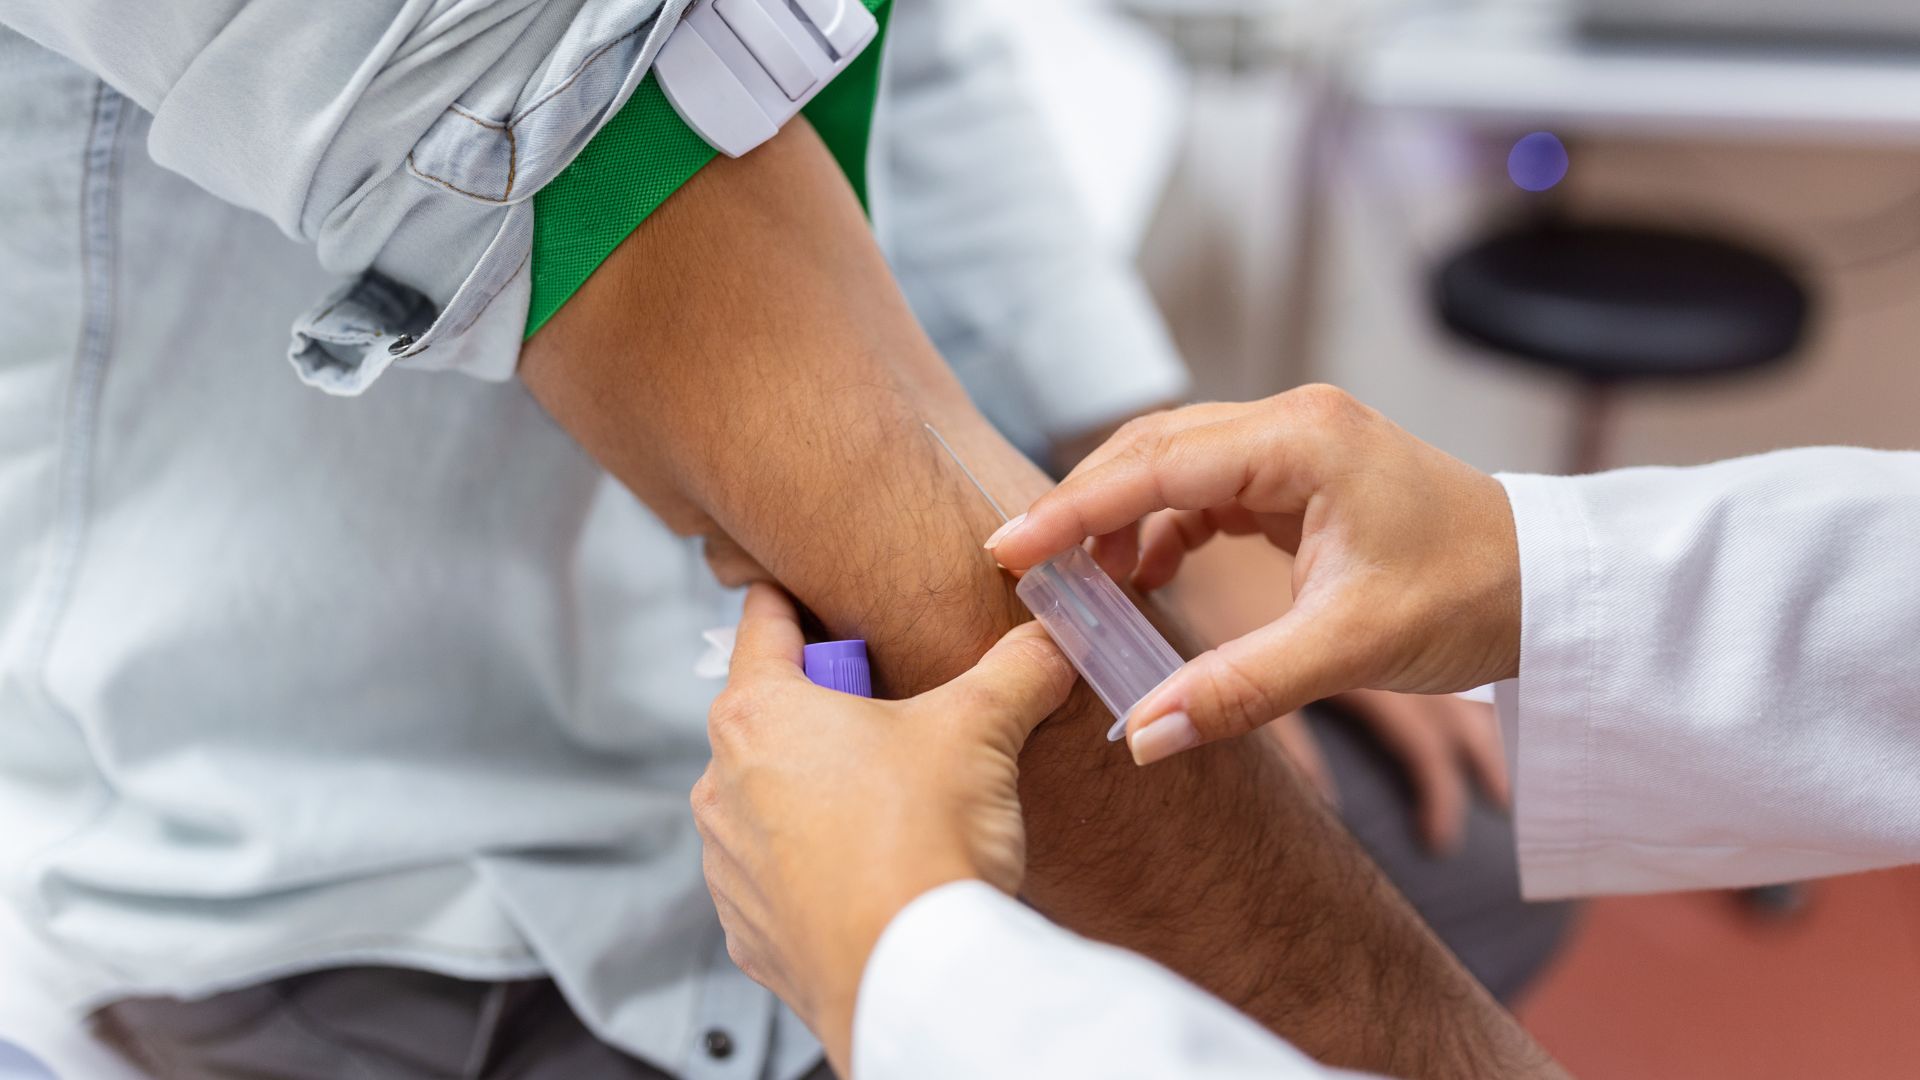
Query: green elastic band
{"points": [[646, 152]]}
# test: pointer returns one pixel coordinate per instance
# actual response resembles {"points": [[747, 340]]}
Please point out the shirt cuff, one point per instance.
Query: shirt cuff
{"points": [[1545, 713], [1096, 354]]}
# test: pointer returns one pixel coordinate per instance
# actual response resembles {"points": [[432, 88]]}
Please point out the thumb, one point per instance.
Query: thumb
{"points": [[1017, 684], [1242, 685]]}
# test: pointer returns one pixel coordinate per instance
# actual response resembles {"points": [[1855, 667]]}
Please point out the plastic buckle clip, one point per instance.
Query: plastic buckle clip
{"points": [[737, 70]]}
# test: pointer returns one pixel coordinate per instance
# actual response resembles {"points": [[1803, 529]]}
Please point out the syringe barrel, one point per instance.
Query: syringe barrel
{"points": [[1104, 635]]}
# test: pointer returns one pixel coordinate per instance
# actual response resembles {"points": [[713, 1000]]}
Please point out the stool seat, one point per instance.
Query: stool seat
{"points": [[1609, 303]]}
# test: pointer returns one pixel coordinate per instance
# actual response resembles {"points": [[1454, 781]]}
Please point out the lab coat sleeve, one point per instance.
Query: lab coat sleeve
{"points": [[401, 138], [1719, 672], [967, 983], [1047, 324]]}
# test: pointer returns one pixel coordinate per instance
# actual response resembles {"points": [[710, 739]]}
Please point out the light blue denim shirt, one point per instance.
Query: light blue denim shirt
{"points": [[289, 681]]}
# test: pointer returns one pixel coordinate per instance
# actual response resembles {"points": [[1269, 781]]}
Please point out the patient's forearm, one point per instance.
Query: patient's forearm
{"points": [[746, 365]]}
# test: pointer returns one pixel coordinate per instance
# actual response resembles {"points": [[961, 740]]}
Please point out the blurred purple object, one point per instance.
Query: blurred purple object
{"points": [[1538, 161], [840, 665]]}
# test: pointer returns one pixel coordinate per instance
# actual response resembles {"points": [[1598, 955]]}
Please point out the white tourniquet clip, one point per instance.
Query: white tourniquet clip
{"points": [[737, 70]]}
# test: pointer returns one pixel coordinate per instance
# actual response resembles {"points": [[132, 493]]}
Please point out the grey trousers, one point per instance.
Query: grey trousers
{"points": [[369, 1023], [394, 1024], [1471, 899]]}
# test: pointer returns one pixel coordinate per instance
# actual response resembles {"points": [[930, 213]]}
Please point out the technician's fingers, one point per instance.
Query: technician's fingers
{"points": [[770, 640], [1190, 469], [734, 889], [1159, 425], [1165, 540], [1118, 552], [1267, 455], [746, 946], [1303, 656], [1021, 681]]}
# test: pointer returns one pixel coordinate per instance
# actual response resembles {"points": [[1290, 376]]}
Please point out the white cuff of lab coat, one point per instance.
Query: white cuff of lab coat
{"points": [[1716, 673], [1544, 713], [968, 983]]}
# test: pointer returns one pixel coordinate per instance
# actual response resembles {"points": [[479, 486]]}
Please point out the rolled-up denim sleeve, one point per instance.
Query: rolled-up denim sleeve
{"points": [[1048, 324], [403, 139]]}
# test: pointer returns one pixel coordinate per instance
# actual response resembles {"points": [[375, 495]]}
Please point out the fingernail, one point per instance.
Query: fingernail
{"points": [[1164, 738], [1000, 533]]}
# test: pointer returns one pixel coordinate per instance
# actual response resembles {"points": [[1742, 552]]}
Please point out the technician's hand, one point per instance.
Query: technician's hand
{"points": [[1407, 575], [825, 814]]}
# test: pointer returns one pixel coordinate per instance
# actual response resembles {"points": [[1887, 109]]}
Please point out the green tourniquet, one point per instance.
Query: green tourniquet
{"points": [[646, 152]]}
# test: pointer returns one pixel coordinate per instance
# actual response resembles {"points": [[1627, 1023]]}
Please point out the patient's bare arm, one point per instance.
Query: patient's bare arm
{"points": [[746, 365]]}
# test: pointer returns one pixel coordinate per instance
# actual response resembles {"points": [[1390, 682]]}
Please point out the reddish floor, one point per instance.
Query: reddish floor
{"points": [[1693, 986]]}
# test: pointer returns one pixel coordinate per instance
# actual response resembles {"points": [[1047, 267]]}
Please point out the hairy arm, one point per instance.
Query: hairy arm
{"points": [[745, 364]]}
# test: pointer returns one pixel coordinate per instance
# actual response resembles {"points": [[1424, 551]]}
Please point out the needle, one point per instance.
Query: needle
{"points": [[972, 479], [1088, 618], [1103, 635]]}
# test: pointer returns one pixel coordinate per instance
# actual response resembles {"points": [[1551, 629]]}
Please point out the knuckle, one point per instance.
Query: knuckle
{"points": [[1159, 446], [741, 956], [975, 698], [1035, 651], [1143, 426], [1323, 403], [731, 715], [705, 797], [725, 708], [1240, 697], [1154, 443]]}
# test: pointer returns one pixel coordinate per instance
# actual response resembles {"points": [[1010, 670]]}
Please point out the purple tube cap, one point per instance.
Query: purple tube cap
{"points": [[840, 665]]}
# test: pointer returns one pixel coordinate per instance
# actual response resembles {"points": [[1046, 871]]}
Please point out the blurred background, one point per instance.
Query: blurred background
{"points": [[1554, 235]]}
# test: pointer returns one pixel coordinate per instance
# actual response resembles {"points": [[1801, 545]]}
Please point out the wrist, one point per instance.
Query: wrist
{"points": [[869, 909], [1498, 551], [1510, 594]]}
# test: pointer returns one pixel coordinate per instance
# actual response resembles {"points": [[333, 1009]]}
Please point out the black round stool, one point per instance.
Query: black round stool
{"points": [[1612, 304]]}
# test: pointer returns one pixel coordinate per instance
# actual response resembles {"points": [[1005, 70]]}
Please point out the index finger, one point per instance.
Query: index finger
{"points": [[1193, 469], [770, 641]]}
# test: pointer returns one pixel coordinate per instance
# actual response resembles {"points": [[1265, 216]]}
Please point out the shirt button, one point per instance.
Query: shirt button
{"points": [[719, 1045]]}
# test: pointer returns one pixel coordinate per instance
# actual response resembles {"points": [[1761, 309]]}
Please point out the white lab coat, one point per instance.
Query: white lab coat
{"points": [[1719, 685]]}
